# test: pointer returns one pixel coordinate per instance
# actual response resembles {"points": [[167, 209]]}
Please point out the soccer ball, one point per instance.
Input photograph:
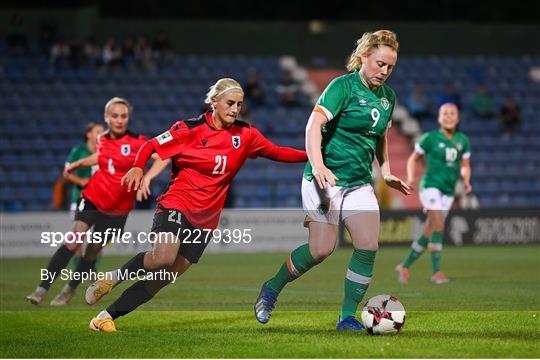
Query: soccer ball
{"points": [[383, 314]]}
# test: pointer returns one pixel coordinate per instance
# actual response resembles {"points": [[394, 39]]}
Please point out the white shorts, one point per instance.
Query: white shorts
{"points": [[332, 204], [434, 199]]}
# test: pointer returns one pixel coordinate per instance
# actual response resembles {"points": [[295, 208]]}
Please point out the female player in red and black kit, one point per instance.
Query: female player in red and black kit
{"points": [[104, 202], [206, 152]]}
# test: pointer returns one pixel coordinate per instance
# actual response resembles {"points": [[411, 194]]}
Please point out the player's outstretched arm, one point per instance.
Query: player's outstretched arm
{"points": [[466, 174], [76, 180], [384, 163], [261, 146], [411, 168], [84, 162], [157, 167], [160, 148], [289, 155], [132, 179], [321, 173]]}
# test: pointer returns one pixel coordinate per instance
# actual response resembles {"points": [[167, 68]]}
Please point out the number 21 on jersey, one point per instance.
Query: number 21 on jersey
{"points": [[221, 163]]}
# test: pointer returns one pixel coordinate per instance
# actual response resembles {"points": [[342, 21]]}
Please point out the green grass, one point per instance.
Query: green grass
{"points": [[490, 308]]}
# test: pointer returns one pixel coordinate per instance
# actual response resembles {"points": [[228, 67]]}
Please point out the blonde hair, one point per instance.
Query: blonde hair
{"points": [[368, 42], [220, 88], [118, 100]]}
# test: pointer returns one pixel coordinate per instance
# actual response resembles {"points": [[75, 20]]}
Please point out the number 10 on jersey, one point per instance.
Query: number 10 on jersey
{"points": [[451, 154]]}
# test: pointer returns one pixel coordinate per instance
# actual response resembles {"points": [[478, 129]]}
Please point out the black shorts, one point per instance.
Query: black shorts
{"points": [[193, 240], [88, 213]]}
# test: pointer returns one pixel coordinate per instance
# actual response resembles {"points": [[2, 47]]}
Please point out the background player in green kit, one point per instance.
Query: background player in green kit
{"points": [[345, 132], [447, 153], [80, 177]]}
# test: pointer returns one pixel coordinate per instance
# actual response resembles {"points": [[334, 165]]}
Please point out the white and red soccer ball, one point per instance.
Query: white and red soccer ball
{"points": [[383, 314]]}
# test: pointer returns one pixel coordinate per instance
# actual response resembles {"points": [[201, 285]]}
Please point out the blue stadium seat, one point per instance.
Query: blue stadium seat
{"points": [[45, 111]]}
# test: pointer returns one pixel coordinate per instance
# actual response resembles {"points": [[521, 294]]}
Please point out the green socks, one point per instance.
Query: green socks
{"points": [[359, 273], [297, 263], [417, 248], [357, 280], [75, 261], [435, 248]]}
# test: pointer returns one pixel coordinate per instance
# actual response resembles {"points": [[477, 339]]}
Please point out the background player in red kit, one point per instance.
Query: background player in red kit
{"points": [[206, 152], [104, 202]]}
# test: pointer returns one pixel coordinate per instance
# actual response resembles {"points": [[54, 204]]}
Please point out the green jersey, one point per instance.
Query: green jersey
{"points": [[77, 153], [358, 118], [443, 159]]}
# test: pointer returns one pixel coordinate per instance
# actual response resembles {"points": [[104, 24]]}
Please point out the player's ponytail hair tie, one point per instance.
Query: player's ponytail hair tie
{"points": [[220, 88], [368, 42]]}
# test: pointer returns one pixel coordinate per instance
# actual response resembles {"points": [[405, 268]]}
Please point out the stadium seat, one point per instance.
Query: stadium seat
{"points": [[46, 109]]}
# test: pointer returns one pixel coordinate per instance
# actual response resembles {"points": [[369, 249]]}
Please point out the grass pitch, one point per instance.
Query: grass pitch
{"points": [[490, 308]]}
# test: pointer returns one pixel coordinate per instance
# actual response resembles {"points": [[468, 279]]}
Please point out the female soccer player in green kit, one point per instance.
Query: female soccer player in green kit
{"points": [[447, 154], [345, 131], [79, 178]]}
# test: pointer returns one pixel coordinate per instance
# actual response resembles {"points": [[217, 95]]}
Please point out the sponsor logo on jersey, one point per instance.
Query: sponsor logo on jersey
{"points": [[362, 102], [236, 142], [385, 103], [125, 149], [441, 145], [163, 138], [459, 146]]}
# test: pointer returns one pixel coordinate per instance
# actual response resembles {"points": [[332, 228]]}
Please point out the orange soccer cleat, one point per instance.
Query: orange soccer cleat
{"points": [[105, 325]]}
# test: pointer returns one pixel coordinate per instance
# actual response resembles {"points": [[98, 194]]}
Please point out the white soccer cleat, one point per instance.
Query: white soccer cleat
{"points": [[35, 298], [64, 297], [97, 290]]}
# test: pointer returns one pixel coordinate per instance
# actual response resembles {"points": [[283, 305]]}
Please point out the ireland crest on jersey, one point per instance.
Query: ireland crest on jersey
{"points": [[385, 103]]}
